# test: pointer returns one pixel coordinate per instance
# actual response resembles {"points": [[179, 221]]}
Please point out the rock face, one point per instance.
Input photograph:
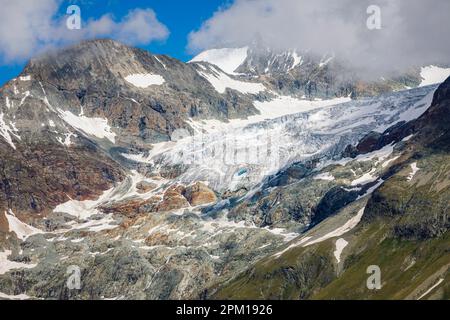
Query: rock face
{"points": [[433, 125], [173, 199], [39, 175], [66, 119], [199, 194]]}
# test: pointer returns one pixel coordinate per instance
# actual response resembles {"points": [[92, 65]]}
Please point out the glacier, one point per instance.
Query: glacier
{"points": [[264, 148]]}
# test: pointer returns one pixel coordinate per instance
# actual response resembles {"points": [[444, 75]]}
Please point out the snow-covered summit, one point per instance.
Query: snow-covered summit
{"points": [[227, 59]]}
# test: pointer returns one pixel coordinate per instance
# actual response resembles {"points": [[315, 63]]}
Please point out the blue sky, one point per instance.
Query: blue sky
{"points": [[179, 16]]}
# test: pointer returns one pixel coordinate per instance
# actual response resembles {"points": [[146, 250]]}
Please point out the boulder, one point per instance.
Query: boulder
{"points": [[199, 194], [173, 199]]}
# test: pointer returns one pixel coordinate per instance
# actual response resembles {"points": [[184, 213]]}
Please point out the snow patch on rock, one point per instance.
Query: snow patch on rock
{"points": [[297, 60], [6, 131], [340, 245], [8, 265], [431, 289], [433, 74], [348, 226], [365, 178], [221, 81], [97, 127], [8, 104], [66, 141], [228, 59], [22, 230], [142, 80], [324, 176]]}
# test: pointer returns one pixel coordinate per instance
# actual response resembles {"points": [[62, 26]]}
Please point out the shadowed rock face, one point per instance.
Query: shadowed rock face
{"points": [[434, 124]]}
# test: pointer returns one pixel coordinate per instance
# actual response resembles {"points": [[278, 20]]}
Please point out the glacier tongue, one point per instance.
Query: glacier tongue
{"points": [[234, 156]]}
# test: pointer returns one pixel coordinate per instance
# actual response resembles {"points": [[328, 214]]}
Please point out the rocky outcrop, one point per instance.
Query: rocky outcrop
{"points": [[199, 194], [173, 199], [145, 186]]}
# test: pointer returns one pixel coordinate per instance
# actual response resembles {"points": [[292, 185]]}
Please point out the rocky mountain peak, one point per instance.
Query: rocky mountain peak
{"points": [[94, 60]]}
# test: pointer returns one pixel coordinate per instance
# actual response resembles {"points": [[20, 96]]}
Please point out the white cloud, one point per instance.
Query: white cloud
{"points": [[28, 27], [413, 31]]}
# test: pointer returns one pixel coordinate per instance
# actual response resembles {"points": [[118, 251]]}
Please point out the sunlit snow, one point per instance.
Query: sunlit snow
{"points": [[7, 130], [21, 229], [340, 245], [433, 75], [97, 127], [144, 80], [8, 265], [228, 59], [221, 81]]}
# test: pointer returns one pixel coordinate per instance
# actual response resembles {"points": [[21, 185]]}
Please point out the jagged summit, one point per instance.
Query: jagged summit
{"points": [[98, 57]]}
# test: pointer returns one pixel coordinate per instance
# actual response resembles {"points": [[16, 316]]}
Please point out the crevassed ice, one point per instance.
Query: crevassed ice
{"points": [[263, 148]]}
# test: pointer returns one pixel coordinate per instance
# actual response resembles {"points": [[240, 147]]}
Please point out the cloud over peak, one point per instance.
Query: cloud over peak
{"points": [[28, 27], [413, 32]]}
